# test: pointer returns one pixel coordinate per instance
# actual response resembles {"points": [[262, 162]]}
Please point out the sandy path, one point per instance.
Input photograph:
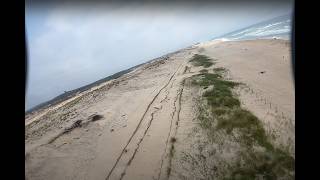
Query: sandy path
{"points": [[138, 136], [136, 121]]}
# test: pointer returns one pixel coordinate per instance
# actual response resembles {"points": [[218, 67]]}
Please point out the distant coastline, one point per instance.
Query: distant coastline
{"points": [[69, 94]]}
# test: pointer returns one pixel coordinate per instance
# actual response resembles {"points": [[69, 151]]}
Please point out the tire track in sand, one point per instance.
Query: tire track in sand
{"points": [[138, 145], [176, 129], [176, 111], [140, 121], [165, 149]]}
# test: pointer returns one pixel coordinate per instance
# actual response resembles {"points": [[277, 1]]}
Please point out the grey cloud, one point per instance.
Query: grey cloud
{"points": [[76, 46]]}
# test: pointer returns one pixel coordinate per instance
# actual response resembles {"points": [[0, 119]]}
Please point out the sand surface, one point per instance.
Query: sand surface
{"points": [[142, 112]]}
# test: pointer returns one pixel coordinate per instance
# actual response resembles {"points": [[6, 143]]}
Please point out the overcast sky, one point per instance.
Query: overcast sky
{"points": [[71, 46]]}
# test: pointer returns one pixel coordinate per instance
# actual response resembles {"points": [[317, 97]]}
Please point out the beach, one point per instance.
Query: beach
{"points": [[144, 124]]}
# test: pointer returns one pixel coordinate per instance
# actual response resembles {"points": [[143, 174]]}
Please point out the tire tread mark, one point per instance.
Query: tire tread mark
{"points": [[165, 150], [138, 126], [177, 123], [138, 145]]}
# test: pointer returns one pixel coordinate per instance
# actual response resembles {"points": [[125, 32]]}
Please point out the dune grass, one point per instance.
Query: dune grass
{"points": [[201, 60], [203, 71], [226, 109]]}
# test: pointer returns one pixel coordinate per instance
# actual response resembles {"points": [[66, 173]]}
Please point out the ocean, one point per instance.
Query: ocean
{"points": [[279, 27]]}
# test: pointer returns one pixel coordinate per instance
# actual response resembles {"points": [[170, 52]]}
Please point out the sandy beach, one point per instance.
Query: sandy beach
{"points": [[143, 125]]}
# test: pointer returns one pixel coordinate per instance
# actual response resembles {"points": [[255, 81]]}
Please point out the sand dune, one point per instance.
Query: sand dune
{"points": [[149, 116]]}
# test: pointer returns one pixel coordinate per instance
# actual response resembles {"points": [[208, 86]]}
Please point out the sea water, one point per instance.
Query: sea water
{"points": [[279, 27]]}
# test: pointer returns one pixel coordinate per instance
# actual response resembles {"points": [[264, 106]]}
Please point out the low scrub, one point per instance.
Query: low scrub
{"points": [[226, 111], [201, 60]]}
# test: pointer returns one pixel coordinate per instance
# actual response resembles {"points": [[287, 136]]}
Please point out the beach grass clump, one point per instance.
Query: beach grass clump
{"points": [[225, 108], [201, 60], [252, 131], [219, 70], [269, 165], [204, 71], [204, 118], [220, 95]]}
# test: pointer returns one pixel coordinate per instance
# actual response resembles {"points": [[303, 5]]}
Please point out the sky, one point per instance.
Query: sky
{"points": [[72, 45]]}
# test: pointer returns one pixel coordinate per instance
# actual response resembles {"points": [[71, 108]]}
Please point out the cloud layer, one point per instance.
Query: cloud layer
{"points": [[71, 47]]}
